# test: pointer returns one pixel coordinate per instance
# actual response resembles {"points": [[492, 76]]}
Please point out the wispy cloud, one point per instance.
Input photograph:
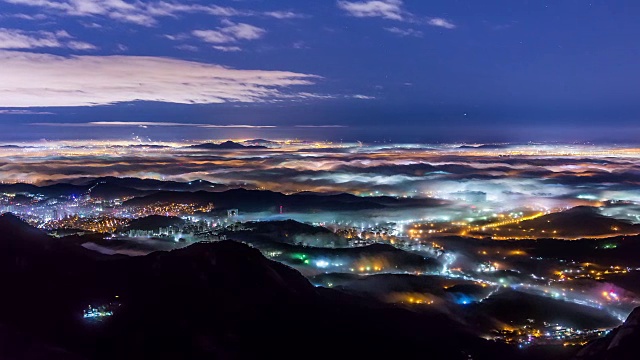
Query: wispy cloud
{"points": [[242, 31], [299, 45], [213, 36], [230, 32], [391, 10], [30, 80], [404, 32], [284, 15], [80, 45], [132, 123], [91, 25], [363, 97], [20, 39], [148, 124], [388, 9], [239, 126], [23, 112], [440, 22], [176, 37], [227, 48], [33, 17], [144, 13], [320, 126]]}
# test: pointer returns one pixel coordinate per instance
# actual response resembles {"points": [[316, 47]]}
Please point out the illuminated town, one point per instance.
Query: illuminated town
{"points": [[358, 179], [454, 242]]}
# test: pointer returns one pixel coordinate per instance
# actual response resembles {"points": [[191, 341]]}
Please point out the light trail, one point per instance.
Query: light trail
{"points": [[509, 222]]}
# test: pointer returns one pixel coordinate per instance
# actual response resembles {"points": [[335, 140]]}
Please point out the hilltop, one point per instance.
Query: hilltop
{"points": [[227, 145], [208, 300], [620, 344], [265, 200], [575, 223]]}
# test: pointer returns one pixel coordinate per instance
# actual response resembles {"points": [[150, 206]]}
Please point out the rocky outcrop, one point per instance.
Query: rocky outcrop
{"points": [[622, 343]]}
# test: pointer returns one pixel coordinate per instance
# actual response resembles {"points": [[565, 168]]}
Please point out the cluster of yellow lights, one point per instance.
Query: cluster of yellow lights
{"points": [[172, 209], [102, 224]]}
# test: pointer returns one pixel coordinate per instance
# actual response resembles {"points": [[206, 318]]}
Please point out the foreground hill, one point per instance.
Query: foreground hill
{"points": [[620, 344], [209, 300], [575, 223]]}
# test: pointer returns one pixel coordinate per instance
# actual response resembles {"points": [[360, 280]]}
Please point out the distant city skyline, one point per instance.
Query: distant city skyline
{"points": [[368, 70]]}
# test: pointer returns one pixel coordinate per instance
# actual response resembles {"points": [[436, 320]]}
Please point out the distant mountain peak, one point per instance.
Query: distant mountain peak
{"points": [[227, 145]]}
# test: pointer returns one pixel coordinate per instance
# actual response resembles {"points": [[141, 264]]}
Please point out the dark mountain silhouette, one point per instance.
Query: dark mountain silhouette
{"points": [[18, 346], [620, 344], [158, 185], [47, 190], [111, 191], [14, 226], [112, 187], [149, 191], [20, 236], [257, 201], [24, 248], [286, 228], [209, 300], [516, 306], [288, 232], [262, 142], [227, 145]]}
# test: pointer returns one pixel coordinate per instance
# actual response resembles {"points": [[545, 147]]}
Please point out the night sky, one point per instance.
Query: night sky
{"points": [[393, 70]]}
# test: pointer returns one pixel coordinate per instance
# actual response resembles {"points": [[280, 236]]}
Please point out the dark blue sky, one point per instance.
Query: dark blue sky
{"points": [[386, 69]]}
